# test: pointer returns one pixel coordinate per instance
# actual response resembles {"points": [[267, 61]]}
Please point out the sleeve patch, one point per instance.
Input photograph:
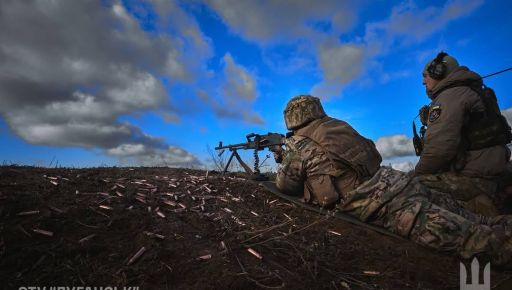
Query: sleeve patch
{"points": [[435, 113]]}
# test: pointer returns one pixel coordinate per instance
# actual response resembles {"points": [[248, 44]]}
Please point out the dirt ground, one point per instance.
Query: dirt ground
{"points": [[85, 227]]}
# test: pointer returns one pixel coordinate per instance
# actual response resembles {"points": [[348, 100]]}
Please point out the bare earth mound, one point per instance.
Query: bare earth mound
{"points": [[160, 228]]}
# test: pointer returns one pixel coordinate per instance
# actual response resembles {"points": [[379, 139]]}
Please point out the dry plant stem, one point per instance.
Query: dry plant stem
{"points": [[247, 276], [99, 212], [334, 285], [263, 231], [265, 286], [43, 232], [55, 209], [501, 281], [89, 226], [284, 268], [301, 258], [241, 266], [86, 238], [24, 231], [167, 266], [348, 277], [25, 213], [288, 234]]}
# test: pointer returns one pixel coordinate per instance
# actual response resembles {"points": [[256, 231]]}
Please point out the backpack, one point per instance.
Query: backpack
{"points": [[344, 146], [487, 128]]}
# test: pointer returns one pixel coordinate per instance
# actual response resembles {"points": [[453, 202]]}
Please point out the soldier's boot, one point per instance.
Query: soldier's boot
{"points": [[502, 229], [443, 230], [481, 204], [473, 193], [503, 220], [489, 243]]}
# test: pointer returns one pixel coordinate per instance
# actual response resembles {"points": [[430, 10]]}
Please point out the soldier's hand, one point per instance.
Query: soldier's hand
{"points": [[278, 153], [424, 115]]}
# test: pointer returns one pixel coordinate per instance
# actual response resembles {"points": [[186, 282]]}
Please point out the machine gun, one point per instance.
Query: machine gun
{"points": [[257, 143]]}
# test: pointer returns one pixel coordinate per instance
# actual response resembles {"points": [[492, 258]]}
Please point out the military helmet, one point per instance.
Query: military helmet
{"points": [[301, 110]]}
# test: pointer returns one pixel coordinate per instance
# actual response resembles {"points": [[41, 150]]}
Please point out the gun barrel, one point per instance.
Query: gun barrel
{"points": [[235, 146], [255, 141]]}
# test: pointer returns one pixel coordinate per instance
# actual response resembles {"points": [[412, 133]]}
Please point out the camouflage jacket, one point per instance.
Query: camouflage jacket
{"points": [[333, 160]]}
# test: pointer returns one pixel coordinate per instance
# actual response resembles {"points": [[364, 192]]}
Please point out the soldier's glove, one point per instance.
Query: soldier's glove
{"points": [[424, 115]]}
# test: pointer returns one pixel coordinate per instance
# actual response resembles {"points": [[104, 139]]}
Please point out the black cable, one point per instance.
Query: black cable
{"points": [[490, 75], [496, 73]]}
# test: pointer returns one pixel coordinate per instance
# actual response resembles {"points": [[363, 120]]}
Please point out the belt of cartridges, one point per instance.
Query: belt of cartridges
{"points": [[271, 187]]}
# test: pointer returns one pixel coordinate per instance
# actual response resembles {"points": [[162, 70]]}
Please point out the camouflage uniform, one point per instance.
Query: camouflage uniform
{"points": [[393, 200], [402, 205], [472, 193]]}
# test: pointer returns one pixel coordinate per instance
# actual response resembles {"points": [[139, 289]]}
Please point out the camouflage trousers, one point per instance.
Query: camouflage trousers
{"points": [[506, 177], [475, 194], [431, 218]]}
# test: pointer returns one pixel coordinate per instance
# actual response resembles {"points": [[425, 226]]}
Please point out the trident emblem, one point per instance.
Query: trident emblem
{"points": [[475, 285]]}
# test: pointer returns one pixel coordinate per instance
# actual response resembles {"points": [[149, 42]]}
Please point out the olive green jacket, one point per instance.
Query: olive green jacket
{"points": [[443, 149]]}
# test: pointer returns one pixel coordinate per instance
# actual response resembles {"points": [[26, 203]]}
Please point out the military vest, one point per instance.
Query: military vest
{"points": [[486, 128], [343, 146]]}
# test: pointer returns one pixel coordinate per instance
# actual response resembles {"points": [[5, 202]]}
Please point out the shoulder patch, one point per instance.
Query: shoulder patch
{"points": [[435, 113], [302, 143], [297, 143]]}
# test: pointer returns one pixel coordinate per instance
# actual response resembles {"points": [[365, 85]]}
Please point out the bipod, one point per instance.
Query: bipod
{"points": [[253, 175], [235, 154]]}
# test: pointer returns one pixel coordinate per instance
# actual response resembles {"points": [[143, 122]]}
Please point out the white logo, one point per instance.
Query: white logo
{"points": [[475, 271]]}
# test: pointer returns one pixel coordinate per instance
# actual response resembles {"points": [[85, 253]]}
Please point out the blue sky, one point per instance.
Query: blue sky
{"points": [[129, 83]]}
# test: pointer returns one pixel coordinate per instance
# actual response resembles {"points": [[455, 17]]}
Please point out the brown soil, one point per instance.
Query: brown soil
{"points": [[81, 227]]}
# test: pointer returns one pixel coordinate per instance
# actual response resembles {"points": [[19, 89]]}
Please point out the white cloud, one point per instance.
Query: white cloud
{"points": [[238, 82], [173, 156], [394, 146], [235, 95], [508, 115], [137, 154], [340, 65], [127, 150], [308, 26], [67, 85], [70, 69], [278, 22], [140, 90], [403, 166], [409, 24], [286, 20], [238, 109]]}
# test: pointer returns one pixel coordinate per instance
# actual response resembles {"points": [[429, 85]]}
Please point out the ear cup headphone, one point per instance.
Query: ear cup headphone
{"points": [[437, 68]]}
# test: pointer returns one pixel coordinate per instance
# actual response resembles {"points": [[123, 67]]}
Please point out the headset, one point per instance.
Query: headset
{"points": [[437, 68]]}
